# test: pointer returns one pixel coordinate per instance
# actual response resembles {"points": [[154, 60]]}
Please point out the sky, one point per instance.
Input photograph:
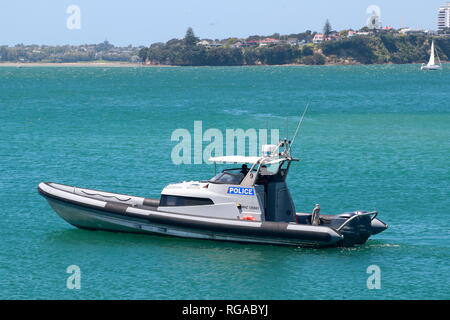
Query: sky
{"points": [[142, 22]]}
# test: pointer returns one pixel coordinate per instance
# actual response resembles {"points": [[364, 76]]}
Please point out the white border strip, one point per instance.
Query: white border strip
{"points": [[71, 196]]}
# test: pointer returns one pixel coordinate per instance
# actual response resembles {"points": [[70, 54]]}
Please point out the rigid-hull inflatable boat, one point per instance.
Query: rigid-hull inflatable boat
{"points": [[244, 205]]}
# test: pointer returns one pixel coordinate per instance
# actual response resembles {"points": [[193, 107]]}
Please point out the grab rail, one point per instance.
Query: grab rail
{"points": [[357, 215], [104, 196]]}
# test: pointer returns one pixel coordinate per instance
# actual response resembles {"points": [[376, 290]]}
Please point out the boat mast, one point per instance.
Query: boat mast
{"points": [[439, 59]]}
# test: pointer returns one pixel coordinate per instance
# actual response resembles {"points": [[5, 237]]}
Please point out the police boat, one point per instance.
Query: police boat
{"points": [[251, 204]]}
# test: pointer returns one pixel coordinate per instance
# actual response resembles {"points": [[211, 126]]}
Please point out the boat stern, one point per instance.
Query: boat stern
{"points": [[355, 227], [377, 226]]}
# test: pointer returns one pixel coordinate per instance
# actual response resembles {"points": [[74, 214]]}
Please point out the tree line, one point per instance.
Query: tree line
{"points": [[186, 52], [377, 48], [380, 47], [386, 48], [67, 53]]}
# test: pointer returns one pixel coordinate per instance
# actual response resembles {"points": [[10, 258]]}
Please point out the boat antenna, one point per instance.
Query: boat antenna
{"points": [[298, 126], [287, 128]]}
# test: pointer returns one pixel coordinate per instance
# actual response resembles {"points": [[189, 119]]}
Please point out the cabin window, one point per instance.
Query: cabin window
{"points": [[178, 201], [227, 178]]}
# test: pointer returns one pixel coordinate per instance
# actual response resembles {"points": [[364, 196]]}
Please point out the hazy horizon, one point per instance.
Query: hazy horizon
{"points": [[140, 22]]}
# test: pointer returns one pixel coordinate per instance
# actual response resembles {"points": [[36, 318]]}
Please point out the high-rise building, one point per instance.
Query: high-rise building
{"points": [[444, 17]]}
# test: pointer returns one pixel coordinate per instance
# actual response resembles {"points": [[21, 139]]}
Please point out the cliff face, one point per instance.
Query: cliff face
{"points": [[385, 49], [374, 49]]}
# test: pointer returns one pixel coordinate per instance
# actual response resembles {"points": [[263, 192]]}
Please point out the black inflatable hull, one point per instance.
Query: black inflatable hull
{"points": [[94, 214]]}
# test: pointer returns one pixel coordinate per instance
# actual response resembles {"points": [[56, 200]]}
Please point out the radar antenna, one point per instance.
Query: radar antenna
{"points": [[298, 127]]}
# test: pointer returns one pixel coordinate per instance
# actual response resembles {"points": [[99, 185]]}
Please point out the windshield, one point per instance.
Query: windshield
{"points": [[227, 178]]}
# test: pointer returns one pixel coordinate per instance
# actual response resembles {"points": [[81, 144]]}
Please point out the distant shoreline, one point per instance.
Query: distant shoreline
{"points": [[77, 64], [139, 65]]}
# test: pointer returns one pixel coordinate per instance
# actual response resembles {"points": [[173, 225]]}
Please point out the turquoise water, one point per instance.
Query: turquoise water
{"points": [[375, 137]]}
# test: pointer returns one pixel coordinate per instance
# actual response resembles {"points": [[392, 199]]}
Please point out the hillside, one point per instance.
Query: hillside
{"points": [[373, 49], [385, 48]]}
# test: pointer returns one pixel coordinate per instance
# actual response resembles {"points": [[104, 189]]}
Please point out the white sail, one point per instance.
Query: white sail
{"points": [[432, 62]]}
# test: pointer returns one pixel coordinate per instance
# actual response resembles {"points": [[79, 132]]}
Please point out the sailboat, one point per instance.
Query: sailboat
{"points": [[432, 62]]}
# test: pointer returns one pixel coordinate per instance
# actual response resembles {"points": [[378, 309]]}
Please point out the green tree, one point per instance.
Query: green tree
{"points": [[307, 51], [143, 54], [224, 57], [327, 28], [365, 29], [190, 39], [280, 54], [4, 53], [104, 46]]}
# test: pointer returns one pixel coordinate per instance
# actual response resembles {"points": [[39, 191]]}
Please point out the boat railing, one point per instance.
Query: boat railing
{"points": [[358, 215]]}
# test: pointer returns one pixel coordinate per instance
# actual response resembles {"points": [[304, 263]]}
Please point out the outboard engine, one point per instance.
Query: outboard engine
{"points": [[357, 231]]}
